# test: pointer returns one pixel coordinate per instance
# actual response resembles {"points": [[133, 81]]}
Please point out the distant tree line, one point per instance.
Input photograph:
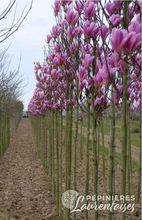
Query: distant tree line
{"points": [[10, 81]]}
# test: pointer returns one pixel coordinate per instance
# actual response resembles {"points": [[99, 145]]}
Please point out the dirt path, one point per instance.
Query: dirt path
{"points": [[24, 192]]}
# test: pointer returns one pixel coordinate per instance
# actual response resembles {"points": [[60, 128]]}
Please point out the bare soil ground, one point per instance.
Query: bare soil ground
{"points": [[24, 191], [25, 187]]}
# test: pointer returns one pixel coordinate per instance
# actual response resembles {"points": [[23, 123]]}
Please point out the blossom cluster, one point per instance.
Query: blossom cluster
{"points": [[89, 50]]}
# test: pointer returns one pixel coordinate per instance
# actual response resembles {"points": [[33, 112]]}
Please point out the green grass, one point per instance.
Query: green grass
{"points": [[133, 124], [135, 164], [135, 137]]}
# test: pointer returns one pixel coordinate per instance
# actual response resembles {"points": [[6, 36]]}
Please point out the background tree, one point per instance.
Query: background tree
{"points": [[9, 11]]}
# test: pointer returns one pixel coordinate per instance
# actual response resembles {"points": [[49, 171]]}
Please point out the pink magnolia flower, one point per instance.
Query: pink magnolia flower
{"points": [[121, 39], [121, 65], [89, 9], [97, 79], [110, 7], [137, 59], [72, 16], [114, 61], [138, 85], [82, 85], [87, 48], [56, 7], [95, 31], [133, 76], [73, 47], [117, 39], [56, 30], [115, 19], [90, 82], [79, 6], [58, 47], [78, 31], [90, 29], [63, 24], [87, 60], [55, 74], [45, 69], [101, 77], [40, 94], [118, 4], [135, 26], [49, 57], [70, 33], [64, 2], [114, 6], [104, 31], [132, 41], [59, 59], [119, 88], [37, 77], [104, 73], [82, 73], [38, 66], [49, 38]]}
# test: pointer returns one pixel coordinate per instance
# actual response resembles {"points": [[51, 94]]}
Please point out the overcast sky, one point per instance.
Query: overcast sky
{"points": [[29, 41]]}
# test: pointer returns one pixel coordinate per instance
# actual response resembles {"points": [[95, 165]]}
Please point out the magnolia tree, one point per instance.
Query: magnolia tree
{"points": [[93, 63]]}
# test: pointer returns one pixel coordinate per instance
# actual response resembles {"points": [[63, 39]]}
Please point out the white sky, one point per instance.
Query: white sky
{"points": [[29, 41]]}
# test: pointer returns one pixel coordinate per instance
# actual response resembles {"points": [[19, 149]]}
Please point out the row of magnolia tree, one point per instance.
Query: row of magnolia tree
{"points": [[10, 107], [92, 65]]}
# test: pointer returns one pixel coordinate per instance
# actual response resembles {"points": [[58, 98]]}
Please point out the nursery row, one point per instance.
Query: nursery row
{"points": [[51, 132], [91, 74], [10, 107], [9, 120]]}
